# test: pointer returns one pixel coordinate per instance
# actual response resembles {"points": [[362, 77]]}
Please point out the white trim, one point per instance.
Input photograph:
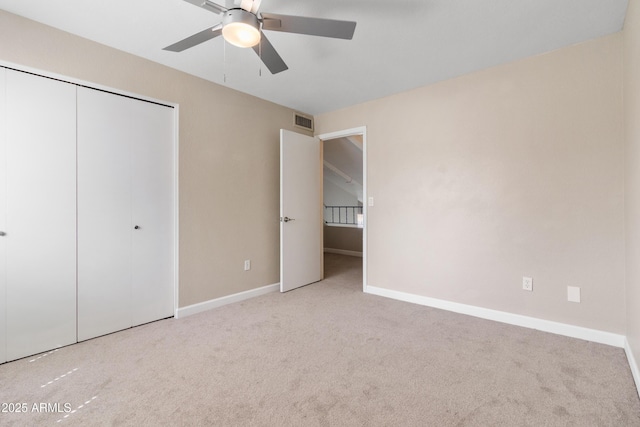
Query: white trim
{"points": [[362, 130], [176, 211], [365, 208], [343, 133], [343, 252], [79, 82], [338, 225], [632, 364], [579, 332], [229, 299]]}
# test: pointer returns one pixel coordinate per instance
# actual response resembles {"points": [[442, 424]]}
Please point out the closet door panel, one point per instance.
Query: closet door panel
{"points": [[104, 213], [41, 214], [3, 217], [153, 212]]}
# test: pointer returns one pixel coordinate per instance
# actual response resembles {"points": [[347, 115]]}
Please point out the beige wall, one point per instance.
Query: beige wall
{"points": [[632, 138], [344, 238], [229, 179], [516, 170]]}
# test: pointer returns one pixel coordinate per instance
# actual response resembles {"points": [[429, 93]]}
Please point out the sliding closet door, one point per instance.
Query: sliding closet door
{"points": [[104, 213], [125, 212], [3, 218], [153, 211], [41, 214]]}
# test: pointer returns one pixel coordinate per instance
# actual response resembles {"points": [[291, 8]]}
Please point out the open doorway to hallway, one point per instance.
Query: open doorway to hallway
{"points": [[344, 196]]}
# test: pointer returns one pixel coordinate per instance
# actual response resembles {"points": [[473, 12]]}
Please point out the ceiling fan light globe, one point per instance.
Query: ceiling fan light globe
{"points": [[241, 35], [241, 28]]}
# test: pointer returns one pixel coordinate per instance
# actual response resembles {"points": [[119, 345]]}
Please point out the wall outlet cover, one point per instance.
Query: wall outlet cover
{"points": [[527, 284], [573, 294]]}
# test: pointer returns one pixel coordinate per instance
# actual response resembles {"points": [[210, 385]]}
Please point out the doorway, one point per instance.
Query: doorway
{"points": [[344, 206]]}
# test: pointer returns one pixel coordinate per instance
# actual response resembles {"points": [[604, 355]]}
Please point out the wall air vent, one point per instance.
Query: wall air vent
{"points": [[302, 121]]}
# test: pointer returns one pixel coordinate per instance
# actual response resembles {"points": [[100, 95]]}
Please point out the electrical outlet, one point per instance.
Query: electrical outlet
{"points": [[527, 284], [247, 264]]}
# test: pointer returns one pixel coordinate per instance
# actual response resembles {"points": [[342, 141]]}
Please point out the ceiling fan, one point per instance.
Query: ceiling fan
{"points": [[242, 26]]}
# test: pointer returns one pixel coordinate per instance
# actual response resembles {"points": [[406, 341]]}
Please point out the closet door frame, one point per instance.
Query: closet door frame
{"points": [[3, 217]]}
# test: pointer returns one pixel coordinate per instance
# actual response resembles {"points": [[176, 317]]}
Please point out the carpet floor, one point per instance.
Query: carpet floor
{"points": [[323, 355]]}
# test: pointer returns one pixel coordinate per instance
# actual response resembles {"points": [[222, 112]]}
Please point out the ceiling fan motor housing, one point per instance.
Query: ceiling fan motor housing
{"points": [[241, 28]]}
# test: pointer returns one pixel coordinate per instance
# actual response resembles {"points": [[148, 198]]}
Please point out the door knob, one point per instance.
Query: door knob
{"points": [[137, 227], [2, 233], [287, 219]]}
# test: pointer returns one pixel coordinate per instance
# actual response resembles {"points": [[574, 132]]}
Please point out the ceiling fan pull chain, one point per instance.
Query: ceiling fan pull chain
{"points": [[224, 61], [260, 55]]}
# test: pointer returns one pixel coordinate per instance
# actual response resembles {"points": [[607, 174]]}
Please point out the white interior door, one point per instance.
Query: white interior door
{"points": [[300, 210], [105, 225], [41, 214], [3, 217], [153, 211]]}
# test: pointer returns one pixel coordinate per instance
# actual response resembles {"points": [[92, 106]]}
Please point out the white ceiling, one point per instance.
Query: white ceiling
{"points": [[398, 44]]}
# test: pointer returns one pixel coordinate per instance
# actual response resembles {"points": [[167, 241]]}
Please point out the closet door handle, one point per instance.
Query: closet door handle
{"points": [[2, 233], [137, 227]]}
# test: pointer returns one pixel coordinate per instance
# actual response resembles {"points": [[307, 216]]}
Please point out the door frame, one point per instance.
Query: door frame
{"points": [[359, 131]]}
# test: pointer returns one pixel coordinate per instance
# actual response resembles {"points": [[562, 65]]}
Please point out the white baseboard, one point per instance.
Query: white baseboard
{"points": [[219, 302], [343, 252], [572, 331], [632, 364]]}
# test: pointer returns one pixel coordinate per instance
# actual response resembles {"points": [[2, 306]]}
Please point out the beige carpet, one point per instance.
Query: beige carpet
{"points": [[326, 354]]}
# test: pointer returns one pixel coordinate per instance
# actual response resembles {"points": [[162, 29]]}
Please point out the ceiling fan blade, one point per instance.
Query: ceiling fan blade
{"points": [[195, 39], [269, 56], [209, 5], [311, 26]]}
